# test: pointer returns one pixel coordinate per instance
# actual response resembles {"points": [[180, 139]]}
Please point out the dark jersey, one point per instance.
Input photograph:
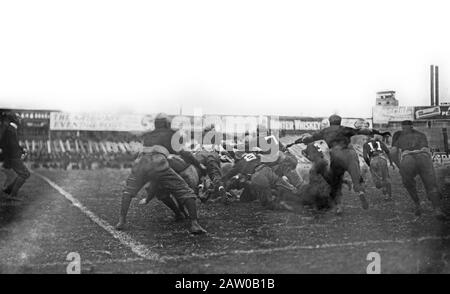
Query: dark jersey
{"points": [[3, 127], [409, 140], [163, 137], [373, 148], [10, 144]]}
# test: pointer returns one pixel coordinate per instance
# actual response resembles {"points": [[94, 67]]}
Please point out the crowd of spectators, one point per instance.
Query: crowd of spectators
{"points": [[78, 160], [82, 150]]}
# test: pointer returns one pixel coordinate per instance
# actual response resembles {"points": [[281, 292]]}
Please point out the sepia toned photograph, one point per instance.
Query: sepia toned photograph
{"points": [[224, 137]]}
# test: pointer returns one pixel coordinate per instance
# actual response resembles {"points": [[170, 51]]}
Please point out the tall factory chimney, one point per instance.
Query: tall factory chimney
{"points": [[436, 85], [432, 85]]}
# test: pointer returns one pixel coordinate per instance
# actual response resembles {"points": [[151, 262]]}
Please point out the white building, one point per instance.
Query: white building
{"points": [[386, 98]]}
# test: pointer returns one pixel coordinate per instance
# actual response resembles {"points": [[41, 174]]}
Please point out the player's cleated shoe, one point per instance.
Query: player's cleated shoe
{"points": [[120, 225], [339, 209], [364, 203], [196, 229], [388, 194], [418, 210]]}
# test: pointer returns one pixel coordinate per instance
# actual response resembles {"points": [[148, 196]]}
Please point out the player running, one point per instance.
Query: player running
{"points": [[343, 157], [376, 155], [415, 159]]}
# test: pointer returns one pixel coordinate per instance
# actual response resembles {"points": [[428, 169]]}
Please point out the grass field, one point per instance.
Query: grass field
{"points": [[75, 211]]}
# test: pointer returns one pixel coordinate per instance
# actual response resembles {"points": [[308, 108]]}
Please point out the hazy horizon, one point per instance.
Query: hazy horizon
{"points": [[284, 58]]}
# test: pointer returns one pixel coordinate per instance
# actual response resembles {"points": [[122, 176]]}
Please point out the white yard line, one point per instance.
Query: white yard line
{"points": [[241, 252], [83, 262], [146, 254], [309, 247], [138, 248]]}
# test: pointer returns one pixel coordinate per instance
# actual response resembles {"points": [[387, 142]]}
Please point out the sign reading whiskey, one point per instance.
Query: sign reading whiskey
{"points": [[431, 112]]}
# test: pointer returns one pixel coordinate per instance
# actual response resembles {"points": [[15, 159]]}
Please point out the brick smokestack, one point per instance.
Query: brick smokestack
{"points": [[432, 85], [436, 85]]}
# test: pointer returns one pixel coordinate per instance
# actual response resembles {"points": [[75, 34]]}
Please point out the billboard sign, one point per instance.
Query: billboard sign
{"points": [[431, 112], [145, 122], [100, 122], [34, 118], [307, 125], [357, 123], [386, 114], [441, 158]]}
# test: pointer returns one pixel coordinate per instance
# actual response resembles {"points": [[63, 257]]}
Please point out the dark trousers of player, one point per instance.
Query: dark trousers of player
{"points": [[317, 192], [380, 173], [342, 160], [263, 187], [154, 190], [420, 164], [155, 168], [10, 176], [22, 172], [190, 175], [265, 195]]}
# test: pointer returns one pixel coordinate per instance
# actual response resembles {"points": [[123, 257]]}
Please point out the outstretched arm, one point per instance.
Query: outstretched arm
{"points": [[369, 132], [306, 140]]}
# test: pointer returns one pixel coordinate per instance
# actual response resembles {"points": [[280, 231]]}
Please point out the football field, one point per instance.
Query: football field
{"points": [[75, 211]]}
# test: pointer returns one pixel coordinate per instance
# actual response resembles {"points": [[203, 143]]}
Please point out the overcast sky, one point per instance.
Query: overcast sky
{"points": [[226, 57]]}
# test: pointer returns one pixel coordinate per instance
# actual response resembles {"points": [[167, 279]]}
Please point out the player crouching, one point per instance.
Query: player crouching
{"points": [[152, 166]]}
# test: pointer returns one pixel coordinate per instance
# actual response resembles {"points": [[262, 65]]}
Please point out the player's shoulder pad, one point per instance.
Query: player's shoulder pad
{"points": [[397, 133]]}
